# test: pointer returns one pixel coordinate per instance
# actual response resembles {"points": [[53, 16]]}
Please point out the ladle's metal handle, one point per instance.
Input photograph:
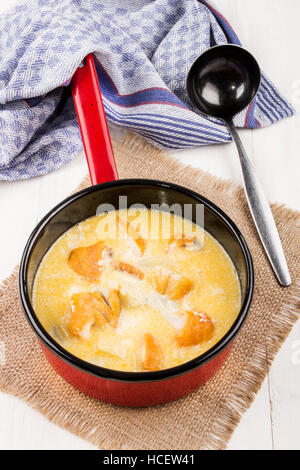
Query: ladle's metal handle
{"points": [[262, 214]]}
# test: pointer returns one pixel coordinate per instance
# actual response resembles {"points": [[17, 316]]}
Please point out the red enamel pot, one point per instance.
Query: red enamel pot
{"points": [[117, 387]]}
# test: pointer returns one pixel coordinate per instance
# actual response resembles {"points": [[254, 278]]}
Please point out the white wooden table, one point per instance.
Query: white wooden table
{"points": [[270, 29]]}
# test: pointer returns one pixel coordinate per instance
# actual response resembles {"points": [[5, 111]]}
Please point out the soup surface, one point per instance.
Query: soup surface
{"points": [[136, 291]]}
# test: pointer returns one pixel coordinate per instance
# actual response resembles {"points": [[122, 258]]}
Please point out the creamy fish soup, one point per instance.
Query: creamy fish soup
{"points": [[136, 291]]}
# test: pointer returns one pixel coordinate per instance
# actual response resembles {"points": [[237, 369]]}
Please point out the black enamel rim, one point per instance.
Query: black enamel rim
{"points": [[135, 376]]}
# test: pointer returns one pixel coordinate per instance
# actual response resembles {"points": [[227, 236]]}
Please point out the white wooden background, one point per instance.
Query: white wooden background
{"points": [[270, 29]]}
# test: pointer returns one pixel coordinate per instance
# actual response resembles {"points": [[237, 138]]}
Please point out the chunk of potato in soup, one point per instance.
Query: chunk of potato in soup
{"points": [[136, 291]]}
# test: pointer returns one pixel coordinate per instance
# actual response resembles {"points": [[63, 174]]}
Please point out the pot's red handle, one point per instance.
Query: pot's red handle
{"points": [[92, 122]]}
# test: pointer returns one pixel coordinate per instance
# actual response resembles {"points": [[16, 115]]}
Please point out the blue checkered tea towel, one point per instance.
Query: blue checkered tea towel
{"points": [[143, 51]]}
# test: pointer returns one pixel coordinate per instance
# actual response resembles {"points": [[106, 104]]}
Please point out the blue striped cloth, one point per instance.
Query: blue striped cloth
{"points": [[143, 51]]}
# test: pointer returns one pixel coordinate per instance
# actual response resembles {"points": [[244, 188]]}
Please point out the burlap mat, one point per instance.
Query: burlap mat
{"points": [[206, 418]]}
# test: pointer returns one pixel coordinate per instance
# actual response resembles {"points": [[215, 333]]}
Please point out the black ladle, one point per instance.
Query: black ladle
{"points": [[222, 82]]}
